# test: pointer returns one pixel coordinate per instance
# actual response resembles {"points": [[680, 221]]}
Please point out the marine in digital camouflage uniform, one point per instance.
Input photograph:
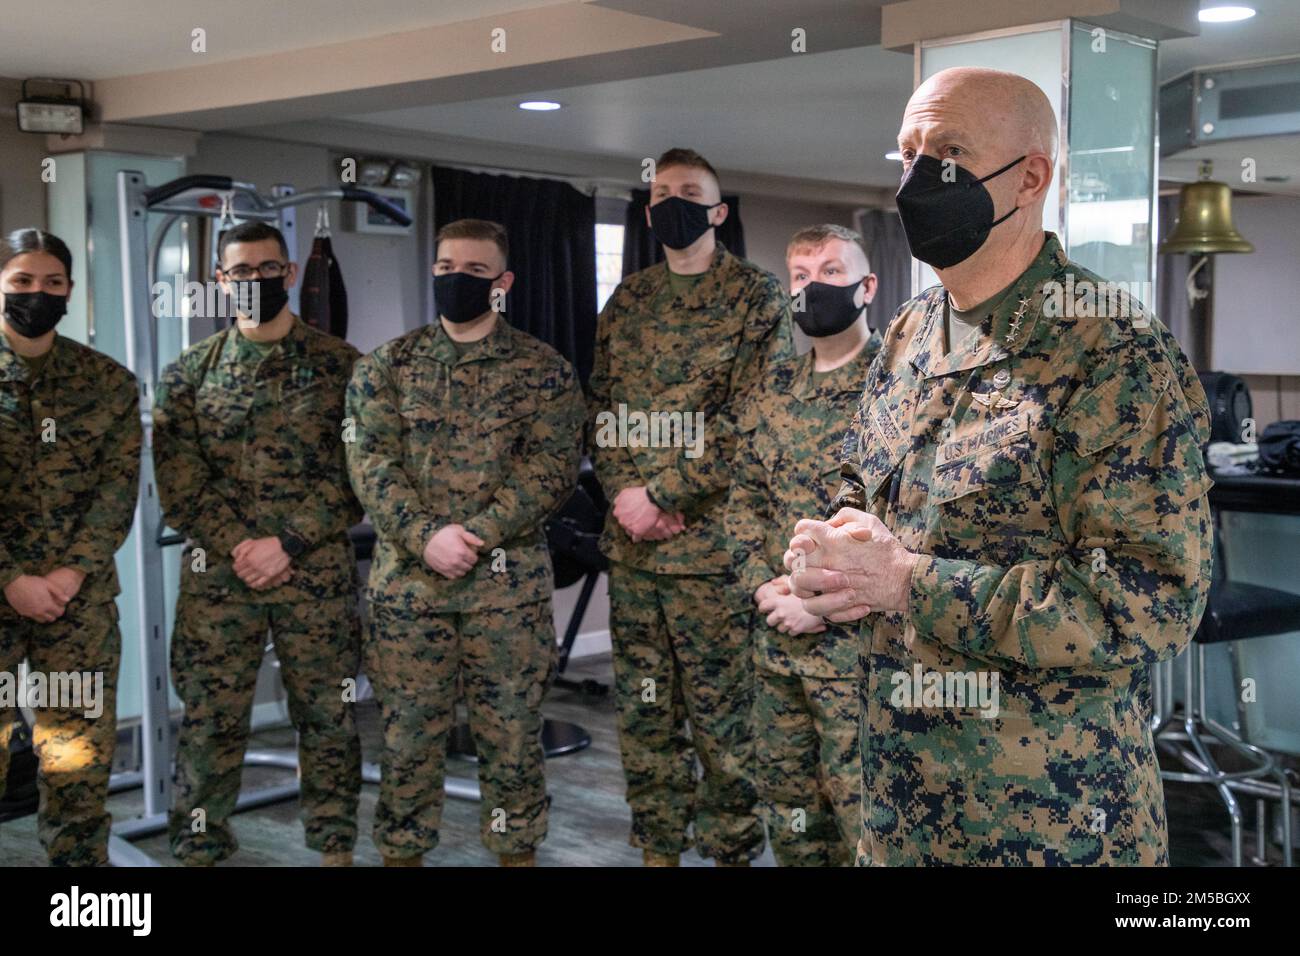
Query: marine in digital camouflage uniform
{"points": [[807, 769], [70, 439], [248, 445], [483, 437], [1064, 436], [688, 344], [1023, 527]]}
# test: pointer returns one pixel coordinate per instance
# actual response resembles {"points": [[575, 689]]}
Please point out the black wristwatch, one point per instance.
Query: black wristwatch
{"points": [[293, 545]]}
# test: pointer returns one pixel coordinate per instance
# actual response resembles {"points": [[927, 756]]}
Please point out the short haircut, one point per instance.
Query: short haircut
{"points": [[475, 229], [23, 241], [250, 232], [814, 237], [681, 156]]}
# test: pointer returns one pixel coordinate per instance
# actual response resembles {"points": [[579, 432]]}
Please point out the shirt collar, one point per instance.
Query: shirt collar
{"points": [[705, 291], [805, 385], [293, 346], [59, 363], [497, 344], [1005, 330]]}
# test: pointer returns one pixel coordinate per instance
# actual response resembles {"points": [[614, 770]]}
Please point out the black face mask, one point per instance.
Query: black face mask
{"points": [[32, 314], [265, 303], [461, 297], [946, 222], [827, 309], [678, 222]]}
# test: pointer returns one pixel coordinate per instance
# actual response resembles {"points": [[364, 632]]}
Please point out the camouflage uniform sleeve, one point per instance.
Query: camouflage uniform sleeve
{"points": [[1130, 488], [852, 493], [374, 459], [547, 472], [614, 465], [767, 338], [9, 570], [192, 494], [330, 507], [747, 515], [107, 522]]}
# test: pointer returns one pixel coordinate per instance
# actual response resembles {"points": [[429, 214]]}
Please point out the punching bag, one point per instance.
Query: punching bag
{"points": [[324, 300]]}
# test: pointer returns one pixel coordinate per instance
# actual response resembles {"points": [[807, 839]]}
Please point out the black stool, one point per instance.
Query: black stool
{"points": [[1235, 611]]}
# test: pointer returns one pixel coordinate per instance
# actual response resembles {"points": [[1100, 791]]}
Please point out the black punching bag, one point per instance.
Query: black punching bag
{"points": [[324, 300]]}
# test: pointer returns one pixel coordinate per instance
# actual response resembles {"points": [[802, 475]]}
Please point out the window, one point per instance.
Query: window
{"points": [[609, 260]]}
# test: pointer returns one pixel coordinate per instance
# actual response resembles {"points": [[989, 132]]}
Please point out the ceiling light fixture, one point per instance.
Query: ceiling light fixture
{"points": [[1225, 13], [894, 155], [539, 106]]}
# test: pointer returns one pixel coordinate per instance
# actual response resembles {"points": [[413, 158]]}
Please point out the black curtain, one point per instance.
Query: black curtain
{"points": [[891, 261], [552, 232], [640, 249]]}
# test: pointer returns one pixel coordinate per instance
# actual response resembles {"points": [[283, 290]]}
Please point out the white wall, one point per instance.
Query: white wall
{"points": [[1256, 326], [770, 222], [387, 277]]}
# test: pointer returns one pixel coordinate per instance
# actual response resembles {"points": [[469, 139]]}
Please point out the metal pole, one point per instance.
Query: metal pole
{"points": [[133, 225]]}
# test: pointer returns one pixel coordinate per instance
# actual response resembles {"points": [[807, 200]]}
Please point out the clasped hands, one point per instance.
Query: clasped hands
{"points": [[452, 551], [642, 519], [261, 563], [841, 570], [44, 598]]}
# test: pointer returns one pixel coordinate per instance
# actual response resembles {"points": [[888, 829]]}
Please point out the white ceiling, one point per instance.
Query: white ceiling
{"points": [[95, 39], [828, 116], [1273, 31], [742, 98]]}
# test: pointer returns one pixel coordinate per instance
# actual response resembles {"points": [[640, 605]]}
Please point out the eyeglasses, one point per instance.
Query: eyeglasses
{"points": [[266, 270]]}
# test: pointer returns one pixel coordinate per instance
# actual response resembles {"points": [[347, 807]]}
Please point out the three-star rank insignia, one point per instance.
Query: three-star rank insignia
{"points": [[1013, 328]]}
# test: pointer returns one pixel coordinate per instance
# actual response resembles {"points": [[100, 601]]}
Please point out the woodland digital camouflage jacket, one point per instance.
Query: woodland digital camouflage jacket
{"points": [[490, 440], [787, 467], [1048, 470], [248, 445], [69, 465], [699, 353]]}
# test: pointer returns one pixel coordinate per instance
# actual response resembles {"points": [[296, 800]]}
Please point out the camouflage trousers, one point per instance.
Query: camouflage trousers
{"points": [[504, 660], [74, 751], [216, 651], [684, 686], [806, 767]]}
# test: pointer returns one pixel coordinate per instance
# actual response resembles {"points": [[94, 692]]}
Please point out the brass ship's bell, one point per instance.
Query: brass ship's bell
{"points": [[1205, 220]]}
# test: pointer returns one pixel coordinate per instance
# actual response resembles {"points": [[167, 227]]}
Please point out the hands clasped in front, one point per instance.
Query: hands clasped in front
{"points": [[642, 519], [846, 568]]}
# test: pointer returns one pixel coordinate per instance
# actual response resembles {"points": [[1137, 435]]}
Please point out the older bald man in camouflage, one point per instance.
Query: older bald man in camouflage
{"points": [[1023, 527]]}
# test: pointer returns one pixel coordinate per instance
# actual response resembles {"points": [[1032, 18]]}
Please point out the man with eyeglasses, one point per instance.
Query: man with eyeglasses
{"points": [[248, 445]]}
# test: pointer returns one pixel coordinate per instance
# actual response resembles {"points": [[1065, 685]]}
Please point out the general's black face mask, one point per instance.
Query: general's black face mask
{"points": [[260, 299], [462, 297], [32, 314], [678, 222], [946, 222], [827, 309]]}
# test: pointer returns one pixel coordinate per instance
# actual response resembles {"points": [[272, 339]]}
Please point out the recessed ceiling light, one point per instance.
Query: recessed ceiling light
{"points": [[540, 106], [895, 155], [1226, 13]]}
